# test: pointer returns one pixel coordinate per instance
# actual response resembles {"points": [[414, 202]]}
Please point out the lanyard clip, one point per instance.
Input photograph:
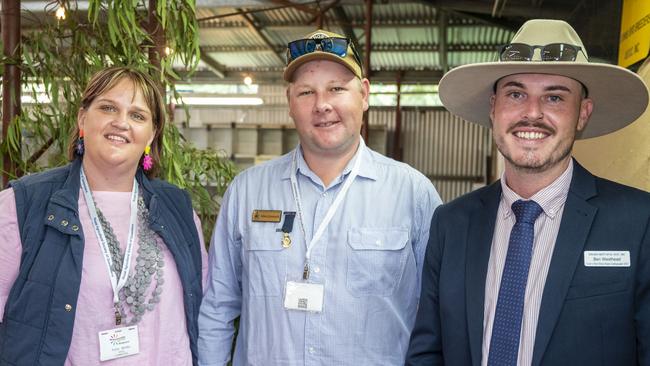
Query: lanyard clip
{"points": [[118, 316], [305, 272]]}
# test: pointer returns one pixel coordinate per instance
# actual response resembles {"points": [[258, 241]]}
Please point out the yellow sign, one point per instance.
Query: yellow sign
{"points": [[635, 32]]}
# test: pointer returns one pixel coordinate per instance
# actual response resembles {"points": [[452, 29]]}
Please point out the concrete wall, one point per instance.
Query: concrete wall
{"points": [[622, 156]]}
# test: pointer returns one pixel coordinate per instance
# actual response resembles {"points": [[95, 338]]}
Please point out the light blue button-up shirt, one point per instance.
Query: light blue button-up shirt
{"points": [[369, 261]]}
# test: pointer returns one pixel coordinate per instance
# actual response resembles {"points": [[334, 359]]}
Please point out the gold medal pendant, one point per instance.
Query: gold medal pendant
{"points": [[286, 240]]}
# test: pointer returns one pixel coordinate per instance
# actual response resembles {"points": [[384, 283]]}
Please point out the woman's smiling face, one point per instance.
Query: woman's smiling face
{"points": [[117, 127]]}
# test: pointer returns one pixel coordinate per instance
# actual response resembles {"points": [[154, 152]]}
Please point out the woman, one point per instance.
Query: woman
{"points": [[98, 261]]}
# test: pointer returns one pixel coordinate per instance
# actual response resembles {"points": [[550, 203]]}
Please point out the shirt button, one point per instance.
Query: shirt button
{"points": [[68, 307], [317, 269], [311, 350], [378, 242]]}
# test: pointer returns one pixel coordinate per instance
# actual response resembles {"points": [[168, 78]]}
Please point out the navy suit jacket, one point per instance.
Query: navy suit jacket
{"points": [[589, 315]]}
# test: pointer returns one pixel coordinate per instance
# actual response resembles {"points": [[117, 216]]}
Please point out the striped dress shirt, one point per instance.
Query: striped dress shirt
{"points": [[551, 199]]}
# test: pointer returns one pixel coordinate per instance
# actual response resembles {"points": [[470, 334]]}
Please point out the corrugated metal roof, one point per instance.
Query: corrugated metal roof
{"points": [[238, 60], [464, 58], [477, 34], [405, 35], [283, 16], [396, 60], [396, 36], [398, 11], [229, 37]]}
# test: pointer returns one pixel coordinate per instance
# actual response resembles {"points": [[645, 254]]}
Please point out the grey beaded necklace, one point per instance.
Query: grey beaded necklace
{"points": [[149, 263]]}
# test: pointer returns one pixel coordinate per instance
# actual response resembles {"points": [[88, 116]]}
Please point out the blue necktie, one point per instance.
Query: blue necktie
{"points": [[504, 344]]}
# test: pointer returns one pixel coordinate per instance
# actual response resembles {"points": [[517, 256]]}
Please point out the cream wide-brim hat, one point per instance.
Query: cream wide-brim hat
{"points": [[347, 61], [619, 95]]}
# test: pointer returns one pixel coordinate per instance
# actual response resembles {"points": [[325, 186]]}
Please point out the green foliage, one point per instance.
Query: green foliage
{"points": [[58, 58], [194, 170]]}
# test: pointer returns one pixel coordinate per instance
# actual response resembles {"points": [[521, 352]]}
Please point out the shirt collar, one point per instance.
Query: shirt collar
{"points": [[367, 168], [550, 198]]}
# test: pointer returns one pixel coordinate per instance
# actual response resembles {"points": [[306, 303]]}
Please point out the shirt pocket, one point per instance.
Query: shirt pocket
{"points": [[267, 260], [376, 260]]}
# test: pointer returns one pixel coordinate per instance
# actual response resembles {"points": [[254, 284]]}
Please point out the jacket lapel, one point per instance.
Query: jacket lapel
{"points": [[479, 241], [576, 223], [158, 214], [68, 195]]}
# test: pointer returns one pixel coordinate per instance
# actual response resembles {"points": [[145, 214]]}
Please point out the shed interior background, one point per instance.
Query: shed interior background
{"points": [[410, 44]]}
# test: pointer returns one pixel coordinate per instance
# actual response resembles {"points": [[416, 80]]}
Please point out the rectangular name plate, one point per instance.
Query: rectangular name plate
{"points": [[607, 258], [267, 215]]}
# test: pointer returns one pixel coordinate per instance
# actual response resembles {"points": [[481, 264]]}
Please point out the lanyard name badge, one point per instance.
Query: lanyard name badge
{"points": [[122, 341], [303, 295]]}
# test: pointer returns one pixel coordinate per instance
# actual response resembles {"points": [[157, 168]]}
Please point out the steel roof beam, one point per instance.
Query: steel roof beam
{"points": [[344, 22], [512, 10], [297, 6], [274, 75], [483, 47], [442, 39], [254, 26], [214, 66]]}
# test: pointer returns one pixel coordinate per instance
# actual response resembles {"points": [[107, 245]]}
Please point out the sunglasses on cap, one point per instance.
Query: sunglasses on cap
{"points": [[334, 45], [549, 52]]}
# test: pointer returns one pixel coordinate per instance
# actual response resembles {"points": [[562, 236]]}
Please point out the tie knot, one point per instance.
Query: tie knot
{"points": [[526, 211]]}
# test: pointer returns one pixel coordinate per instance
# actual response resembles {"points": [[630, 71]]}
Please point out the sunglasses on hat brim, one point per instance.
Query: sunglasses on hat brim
{"points": [[549, 52], [334, 45]]}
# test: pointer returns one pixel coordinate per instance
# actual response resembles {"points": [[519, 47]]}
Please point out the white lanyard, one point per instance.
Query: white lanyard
{"points": [[116, 283], [330, 212]]}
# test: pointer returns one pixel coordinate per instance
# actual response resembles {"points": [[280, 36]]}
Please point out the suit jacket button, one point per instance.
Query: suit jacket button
{"points": [[75, 228], [50, 218], [68, 307], [64, 222]]}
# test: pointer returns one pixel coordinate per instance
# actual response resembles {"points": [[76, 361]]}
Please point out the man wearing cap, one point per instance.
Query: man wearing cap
{"points": [[550, 265], [319, 252]]}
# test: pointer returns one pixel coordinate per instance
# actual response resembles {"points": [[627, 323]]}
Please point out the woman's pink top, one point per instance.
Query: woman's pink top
{"points": [[162, 332]]}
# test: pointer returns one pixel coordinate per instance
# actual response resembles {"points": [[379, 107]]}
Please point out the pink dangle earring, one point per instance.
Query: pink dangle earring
{"points": [[147, 161]]}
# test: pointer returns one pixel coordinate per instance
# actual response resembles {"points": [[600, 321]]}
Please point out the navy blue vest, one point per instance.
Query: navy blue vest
{"points": [[40, 311]]}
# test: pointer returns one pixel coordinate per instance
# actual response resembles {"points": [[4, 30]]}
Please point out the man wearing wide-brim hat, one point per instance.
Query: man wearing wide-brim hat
{"points": [[550, 265]]}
